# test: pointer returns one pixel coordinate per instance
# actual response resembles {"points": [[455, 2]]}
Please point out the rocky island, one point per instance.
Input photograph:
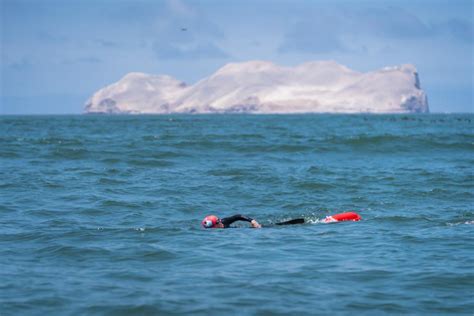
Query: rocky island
{"points": [[262, 87]]}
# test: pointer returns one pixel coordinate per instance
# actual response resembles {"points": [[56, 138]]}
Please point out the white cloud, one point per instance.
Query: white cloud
{"points": [[178, 7], [182, 32]]}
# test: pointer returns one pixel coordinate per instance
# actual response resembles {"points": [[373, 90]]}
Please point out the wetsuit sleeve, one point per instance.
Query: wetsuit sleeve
{"points": [[227, 221]]}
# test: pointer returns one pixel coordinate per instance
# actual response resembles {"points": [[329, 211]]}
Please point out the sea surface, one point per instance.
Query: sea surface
{"points": [[100, 215]]}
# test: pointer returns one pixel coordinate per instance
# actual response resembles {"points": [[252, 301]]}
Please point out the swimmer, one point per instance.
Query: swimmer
{"points": [[213, 221]]}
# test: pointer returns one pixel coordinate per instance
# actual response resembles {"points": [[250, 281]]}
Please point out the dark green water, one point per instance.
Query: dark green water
{"points": [[100, 215]]}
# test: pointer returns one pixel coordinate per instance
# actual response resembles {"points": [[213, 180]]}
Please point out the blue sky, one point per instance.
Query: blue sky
{"points": [[55, 54]]}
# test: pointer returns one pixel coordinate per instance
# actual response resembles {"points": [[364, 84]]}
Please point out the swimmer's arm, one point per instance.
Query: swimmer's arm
{"points": [[253, 222], [229, 220]]}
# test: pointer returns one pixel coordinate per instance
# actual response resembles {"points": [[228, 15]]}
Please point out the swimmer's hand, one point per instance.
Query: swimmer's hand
{"points": [[255, 224]]}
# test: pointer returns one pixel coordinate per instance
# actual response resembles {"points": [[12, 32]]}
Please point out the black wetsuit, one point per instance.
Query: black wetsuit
{"points": [[229, 220]]}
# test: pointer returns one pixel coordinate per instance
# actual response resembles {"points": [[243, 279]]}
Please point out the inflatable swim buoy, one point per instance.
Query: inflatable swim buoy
{"points": [[341, 217]]}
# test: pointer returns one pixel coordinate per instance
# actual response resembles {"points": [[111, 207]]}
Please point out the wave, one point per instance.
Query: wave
{"points": [[460, 223], [393, 142]]}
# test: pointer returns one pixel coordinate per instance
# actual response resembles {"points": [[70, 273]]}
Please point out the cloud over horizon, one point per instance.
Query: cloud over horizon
{"points": [[182, 32], [337, 31], [97, 42]]}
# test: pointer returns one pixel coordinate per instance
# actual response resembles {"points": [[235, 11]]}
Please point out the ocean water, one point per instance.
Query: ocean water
{"points": [[100, 215]]}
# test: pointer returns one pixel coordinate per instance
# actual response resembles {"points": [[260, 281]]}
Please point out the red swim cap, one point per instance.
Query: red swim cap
{"points": [[209, 221]]}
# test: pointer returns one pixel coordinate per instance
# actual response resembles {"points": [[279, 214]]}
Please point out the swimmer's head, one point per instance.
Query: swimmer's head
{"points": [[210, 221]]}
